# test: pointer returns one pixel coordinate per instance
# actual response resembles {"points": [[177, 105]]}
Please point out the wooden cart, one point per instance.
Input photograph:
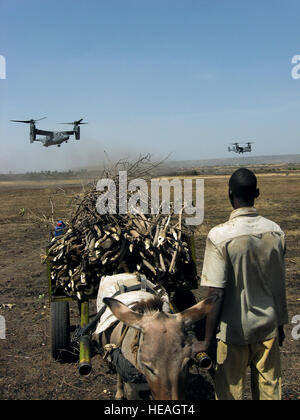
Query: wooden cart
{"points": [[60, 315]]}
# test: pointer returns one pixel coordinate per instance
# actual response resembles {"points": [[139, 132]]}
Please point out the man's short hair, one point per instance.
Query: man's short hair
{"points": [[243, 184]]}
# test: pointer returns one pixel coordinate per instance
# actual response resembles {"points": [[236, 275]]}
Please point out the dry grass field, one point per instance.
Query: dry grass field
{"points": [[26, 368]]}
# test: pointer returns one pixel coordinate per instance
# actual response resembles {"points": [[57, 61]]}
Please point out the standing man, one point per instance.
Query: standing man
{"points": [[244, 265]]}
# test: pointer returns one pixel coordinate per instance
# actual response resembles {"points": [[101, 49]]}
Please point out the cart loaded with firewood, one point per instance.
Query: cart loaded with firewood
{"points": [[92, 245]]}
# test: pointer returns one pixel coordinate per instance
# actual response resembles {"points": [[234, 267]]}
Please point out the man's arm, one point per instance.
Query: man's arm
{"points": [[212, 321], [214, 276]]}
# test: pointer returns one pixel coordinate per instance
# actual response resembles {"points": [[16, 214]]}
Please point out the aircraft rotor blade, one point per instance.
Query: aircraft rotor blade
{"points": [[29, 121], [74, 122], [79, 122], [21, 121]]}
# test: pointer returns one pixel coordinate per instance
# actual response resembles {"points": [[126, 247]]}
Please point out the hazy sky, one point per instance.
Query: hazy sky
{"points": [[158, 76]]}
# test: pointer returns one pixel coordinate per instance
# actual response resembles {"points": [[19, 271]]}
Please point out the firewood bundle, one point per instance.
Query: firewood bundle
{"points": [[96, 245], [112, 244]]}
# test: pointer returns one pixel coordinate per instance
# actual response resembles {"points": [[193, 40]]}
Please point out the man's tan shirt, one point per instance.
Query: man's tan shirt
{"points": [[246, 257]]}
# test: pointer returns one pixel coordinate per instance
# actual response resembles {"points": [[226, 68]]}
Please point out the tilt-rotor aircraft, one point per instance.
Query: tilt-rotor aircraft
{"points": [[52, 138], [240, 149]]}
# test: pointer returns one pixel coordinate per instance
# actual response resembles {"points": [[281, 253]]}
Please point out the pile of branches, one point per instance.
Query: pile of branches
{"points": [[96, 245]]}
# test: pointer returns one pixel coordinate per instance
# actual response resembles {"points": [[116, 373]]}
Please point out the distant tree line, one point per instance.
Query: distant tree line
{"points": [[42, 175]]}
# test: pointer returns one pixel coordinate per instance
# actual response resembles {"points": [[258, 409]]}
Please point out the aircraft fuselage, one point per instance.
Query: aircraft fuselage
{"points": [[56, 139]]}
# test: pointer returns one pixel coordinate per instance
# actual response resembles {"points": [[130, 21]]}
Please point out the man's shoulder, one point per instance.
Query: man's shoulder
{"points": [[221, 232], [270, 225], [237, 227]]}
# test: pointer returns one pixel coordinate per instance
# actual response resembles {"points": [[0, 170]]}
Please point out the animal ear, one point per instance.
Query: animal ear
{"points": [[198, 311], [123, 313]]}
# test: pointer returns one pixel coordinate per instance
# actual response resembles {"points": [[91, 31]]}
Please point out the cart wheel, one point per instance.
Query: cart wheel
{"points": [[60, 329]]}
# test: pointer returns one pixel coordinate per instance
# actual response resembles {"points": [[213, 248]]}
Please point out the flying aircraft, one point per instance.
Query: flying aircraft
{"points": [[52, 138], [240, 149]]}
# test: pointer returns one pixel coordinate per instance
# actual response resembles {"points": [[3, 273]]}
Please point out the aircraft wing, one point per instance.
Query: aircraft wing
{"points": [[43, 132], [68, 133]]}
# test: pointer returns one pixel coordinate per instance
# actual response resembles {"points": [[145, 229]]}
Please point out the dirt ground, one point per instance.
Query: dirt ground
{"points": [[26, 368]]}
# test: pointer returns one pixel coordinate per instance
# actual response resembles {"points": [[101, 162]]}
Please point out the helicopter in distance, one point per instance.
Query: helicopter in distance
{"points": [[240, 149], [52, 138]]}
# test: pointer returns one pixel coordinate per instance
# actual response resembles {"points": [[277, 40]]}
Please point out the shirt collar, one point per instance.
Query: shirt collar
{"points": [[243, 211]]}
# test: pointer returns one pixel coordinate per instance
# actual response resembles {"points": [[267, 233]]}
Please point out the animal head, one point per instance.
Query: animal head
{"points": [[166, 347]]}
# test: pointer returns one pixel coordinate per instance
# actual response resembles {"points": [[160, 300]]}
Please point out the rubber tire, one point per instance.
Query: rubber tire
{"points": [[60, 329]]}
